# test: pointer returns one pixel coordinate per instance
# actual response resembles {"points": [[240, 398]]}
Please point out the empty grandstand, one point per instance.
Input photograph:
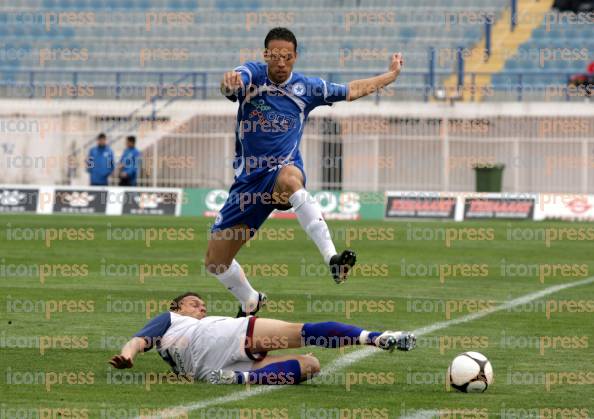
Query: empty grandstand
{"points": [[119, 49], [152, 68]]}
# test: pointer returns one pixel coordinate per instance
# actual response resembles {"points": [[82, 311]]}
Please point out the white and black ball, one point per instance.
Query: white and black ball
{"points": [[470, 372]]}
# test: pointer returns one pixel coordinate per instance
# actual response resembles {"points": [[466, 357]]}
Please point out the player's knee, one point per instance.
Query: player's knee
{"points": [[293, 184], [310, 366], [290, 180]]}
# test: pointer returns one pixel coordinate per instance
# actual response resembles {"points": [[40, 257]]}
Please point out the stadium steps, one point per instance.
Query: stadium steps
{"points": [[504, 44]]}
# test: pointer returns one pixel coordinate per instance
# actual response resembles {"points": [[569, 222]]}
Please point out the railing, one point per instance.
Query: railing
{"points": [[419, 85]]}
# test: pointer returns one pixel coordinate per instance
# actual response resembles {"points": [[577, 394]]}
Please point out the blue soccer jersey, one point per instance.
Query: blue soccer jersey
{"points": [[271, 118], [270, 123]]}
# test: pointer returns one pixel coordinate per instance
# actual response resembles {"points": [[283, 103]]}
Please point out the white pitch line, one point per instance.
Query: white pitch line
{"points": [[351, 358]]}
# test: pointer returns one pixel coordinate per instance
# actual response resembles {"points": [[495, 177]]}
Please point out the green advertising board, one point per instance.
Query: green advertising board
{"points": [[336, 205]]}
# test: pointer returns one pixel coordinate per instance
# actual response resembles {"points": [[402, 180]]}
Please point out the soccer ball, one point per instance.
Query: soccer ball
{"points": [[470, 372]]}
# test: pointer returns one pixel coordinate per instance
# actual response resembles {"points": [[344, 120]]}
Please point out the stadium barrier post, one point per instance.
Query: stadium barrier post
{"points": [[117, 85], [514, 14], [488, 27], [75, 84], [193, 85], [460, 63], [204, 86], [431, 81], [32, 84]]}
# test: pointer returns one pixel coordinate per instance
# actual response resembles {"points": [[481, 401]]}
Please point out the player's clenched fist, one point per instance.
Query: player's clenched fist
{"points": [[396, 63], [231, 83]]}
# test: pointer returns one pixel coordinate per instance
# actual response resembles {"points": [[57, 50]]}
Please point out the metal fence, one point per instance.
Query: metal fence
{"points": [[358, 146], [412, 146]]}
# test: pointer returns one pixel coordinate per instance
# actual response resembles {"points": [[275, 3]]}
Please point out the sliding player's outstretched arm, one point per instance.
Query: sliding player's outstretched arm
{"points": [[364, 87], [143, 341], [126, 358]]}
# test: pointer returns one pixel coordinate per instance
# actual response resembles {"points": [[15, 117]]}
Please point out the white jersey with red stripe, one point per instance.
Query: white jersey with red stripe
{"points": [[195, 347]]}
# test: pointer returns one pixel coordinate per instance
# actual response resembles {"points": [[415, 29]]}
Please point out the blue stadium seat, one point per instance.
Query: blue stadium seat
{"points": [[513, 65], [539, 33], [407, 33]]}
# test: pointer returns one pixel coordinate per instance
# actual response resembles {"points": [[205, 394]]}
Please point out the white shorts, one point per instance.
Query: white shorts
{"points": [[221, 345]]}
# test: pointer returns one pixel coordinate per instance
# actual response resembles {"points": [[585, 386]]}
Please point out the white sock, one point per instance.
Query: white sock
{"points": [[364, 337], [310, 217], [234, 280]]}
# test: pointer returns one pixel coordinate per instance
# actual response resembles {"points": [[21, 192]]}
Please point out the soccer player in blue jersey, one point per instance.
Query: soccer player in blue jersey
{"points": [[274, 103], [226, 350]]}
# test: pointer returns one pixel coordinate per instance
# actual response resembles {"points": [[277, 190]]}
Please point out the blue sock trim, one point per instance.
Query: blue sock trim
{"points": [[279, 373]]}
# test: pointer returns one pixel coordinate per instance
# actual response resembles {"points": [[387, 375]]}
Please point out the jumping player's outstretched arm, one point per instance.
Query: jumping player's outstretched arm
{"points": [[231, 83], [364, 87], [126, 358]]}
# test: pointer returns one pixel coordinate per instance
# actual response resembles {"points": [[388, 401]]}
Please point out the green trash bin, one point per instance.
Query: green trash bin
{"points": [[489, 177]]}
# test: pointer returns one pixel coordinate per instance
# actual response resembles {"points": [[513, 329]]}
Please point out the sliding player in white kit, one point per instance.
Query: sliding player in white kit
{"points": [[226, 350]]}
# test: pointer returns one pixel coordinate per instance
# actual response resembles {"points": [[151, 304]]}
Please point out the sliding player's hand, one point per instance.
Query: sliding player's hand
{"points": [[396, 63], [232, 83], [120, 362]]}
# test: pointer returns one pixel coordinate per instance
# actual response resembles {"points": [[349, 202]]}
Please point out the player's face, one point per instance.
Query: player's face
{"points": [[193, 307], [101, 142], [280, 57]]}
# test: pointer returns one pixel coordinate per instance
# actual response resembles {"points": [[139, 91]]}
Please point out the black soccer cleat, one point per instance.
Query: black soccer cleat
{"points": [[403, 341], [341, 264], [262, 300]]}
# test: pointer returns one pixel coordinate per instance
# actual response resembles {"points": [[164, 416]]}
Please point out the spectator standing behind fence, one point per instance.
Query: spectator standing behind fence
{"points": [[100, 163], [129, 163]]}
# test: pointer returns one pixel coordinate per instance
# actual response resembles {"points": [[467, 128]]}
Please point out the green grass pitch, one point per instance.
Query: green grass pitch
{"points": [[58, 330]]}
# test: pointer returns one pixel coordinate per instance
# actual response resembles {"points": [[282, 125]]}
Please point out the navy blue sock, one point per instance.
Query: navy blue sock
{"points": [[333, 334], [285, 372]]}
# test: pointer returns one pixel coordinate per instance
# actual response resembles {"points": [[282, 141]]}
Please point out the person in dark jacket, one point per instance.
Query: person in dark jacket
{"points": [[129, 163], [100, 163]]}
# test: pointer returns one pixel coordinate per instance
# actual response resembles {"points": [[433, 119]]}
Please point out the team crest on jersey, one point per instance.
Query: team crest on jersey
{"points": [[298, 89]]}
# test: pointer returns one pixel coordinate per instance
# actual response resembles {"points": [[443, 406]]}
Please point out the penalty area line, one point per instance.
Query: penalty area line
{"points": [[353, 357]]}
